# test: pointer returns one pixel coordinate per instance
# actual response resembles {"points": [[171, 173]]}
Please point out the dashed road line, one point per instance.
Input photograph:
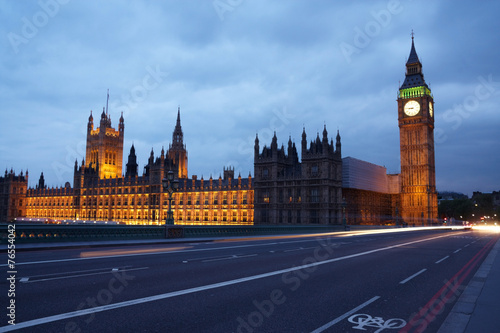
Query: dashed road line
{"points": [[414, 275], [442, 259], [456, 251], [230, 258], [299, 249], [27, 279]]}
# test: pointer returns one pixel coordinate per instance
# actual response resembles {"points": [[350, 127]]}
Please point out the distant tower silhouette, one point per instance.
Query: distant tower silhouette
{"points": [[41, 182], [177, 150], [132, 163]]}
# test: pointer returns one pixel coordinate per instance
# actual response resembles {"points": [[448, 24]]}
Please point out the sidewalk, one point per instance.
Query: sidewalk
{"points": [[478, 308]]}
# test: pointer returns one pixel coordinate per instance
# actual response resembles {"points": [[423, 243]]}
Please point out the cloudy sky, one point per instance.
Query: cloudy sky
{"points": [[241, 67]]}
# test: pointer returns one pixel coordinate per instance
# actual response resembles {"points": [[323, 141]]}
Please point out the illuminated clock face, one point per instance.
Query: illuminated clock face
{"points": [[431, 109], [412, 108]]}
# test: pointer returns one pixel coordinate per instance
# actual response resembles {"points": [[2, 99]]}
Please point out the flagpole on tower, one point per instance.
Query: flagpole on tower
{"points": [[107, 100]]}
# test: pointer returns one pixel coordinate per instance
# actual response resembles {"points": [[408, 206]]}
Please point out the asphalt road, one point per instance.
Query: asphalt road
{"points": [[399, 281]]}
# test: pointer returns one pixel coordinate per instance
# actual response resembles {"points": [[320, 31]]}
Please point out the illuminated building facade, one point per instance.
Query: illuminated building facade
{"points": [[285, 190], [101, 192], [416, 132], [105, 145]]}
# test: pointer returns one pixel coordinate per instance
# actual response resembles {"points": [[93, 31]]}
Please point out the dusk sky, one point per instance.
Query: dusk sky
{"points": [[241, 67]]}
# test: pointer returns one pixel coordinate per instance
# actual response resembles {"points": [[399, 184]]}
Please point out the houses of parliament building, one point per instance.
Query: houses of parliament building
{"points": [[321, 188]]}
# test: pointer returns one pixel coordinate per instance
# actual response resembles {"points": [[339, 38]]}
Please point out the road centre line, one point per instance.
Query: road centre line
{"points": [[168, 252], [457, 251], [345, 315], [164, 252], [442, 259], [412, 276], [230, 258], [79, 313], [82, 271], [80, 275], [300, 248], [208, 258]]}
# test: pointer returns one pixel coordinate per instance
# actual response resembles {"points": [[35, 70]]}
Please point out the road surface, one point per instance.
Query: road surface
{"points": [[339, 282]]}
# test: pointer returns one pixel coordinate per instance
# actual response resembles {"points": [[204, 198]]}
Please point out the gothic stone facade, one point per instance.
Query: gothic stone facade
{"points": [[13, 195], [285, 190], [100, 192], [416, 129], [293, 192]]}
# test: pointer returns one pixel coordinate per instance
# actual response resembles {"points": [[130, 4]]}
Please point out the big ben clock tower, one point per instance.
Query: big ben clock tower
{"points": [[416, 135]]}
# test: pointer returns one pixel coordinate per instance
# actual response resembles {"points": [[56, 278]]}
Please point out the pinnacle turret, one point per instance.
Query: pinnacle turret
{"points": [[413, 57], [414, 76]]}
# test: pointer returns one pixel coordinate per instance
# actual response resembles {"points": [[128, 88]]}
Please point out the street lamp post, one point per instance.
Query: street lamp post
{"points": [[170, 185]]}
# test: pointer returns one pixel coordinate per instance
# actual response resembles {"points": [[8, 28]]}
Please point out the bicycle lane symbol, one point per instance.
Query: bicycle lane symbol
{"points": [[364, 320]]}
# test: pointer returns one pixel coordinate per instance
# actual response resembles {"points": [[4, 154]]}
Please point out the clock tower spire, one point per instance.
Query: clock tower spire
{"points": [[416, 135]]}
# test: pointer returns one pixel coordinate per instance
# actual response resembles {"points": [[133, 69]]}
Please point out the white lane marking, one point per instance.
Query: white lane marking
{"points": [[205, 258], [414, 275], [317, 238], [164, 252], [442, 259], [169, 252], [457, 251], [114, 269], [299, 249], [214, 257], [79, 313], [466, 245], [106, 269], [229, 258], [80, 275], [345, 315]]}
